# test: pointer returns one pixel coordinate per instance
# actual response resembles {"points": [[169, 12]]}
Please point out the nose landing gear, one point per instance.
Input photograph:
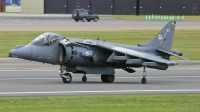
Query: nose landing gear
{"points": [[66, 77]]}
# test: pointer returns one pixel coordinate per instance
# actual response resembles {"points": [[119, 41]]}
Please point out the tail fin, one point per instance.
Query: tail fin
{"points": [[164, 38]]}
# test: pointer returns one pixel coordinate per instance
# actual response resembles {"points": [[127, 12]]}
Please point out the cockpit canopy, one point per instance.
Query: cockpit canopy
{"points": [[47, 39]]}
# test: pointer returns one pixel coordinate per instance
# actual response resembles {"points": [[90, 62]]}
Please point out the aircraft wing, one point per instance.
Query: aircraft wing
{"points": [[134, 53]]}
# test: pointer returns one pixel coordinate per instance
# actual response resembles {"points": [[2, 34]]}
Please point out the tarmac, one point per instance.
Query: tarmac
{"points": [[24, 78]]}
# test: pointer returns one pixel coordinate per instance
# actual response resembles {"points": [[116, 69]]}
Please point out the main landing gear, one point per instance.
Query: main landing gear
{"points": [[104, 78], [66, 77], [107, 78], [144, 80]]}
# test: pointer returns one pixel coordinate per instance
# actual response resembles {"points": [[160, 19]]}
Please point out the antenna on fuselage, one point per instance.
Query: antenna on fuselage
{"points": [[97, 38]]}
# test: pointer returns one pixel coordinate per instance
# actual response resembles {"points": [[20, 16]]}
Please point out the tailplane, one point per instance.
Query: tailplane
{"points": [[164, 38]]}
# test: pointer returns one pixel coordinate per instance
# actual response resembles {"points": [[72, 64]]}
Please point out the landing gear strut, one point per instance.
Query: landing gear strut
{"points": [[84, 78], [144, 80], [66, 77]]}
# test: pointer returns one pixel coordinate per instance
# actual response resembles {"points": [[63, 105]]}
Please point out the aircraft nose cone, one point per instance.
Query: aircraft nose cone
{"points": [[22, 52]]}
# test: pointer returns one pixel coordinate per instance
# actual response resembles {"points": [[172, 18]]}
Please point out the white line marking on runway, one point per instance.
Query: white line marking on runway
{"points": [[160, 77], [164, 77], [28, 70], [5, 79], [106, 91], [19, 20]]}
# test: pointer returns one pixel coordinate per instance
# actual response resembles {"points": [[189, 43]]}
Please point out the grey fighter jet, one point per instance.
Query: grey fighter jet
{"points": [[100, 57]]}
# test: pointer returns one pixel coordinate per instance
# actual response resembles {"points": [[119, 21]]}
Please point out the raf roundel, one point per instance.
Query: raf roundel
{"points": [[87, 54], [160, 36]]}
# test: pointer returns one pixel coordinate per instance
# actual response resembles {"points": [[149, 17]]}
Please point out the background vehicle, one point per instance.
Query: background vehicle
{"points": [[84, 15]]}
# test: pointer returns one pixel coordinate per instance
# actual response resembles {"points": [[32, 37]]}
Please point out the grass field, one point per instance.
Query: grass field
{"points": [[187, 41], [103, 103], [142, 17]]}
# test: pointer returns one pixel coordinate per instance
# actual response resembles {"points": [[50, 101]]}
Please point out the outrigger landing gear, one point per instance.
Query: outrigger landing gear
{"points": [[144, 80], [66, 77], [84, 78]]}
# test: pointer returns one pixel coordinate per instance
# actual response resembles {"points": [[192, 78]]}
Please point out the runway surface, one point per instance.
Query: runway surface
{"points": [[25, 78], [66, 23]]}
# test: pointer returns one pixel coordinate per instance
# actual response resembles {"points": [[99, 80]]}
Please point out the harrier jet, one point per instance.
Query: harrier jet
{"points": [[100, 57]]}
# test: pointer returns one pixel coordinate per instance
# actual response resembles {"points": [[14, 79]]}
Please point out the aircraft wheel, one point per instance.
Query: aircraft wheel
{"points": [[76, 20], [144, 80], [84, 79], [110, 78], [107, 78], [103, 78], [67, 78]]}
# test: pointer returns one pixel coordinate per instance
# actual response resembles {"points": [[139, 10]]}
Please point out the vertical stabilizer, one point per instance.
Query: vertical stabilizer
{"points": [[164, 38]]}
